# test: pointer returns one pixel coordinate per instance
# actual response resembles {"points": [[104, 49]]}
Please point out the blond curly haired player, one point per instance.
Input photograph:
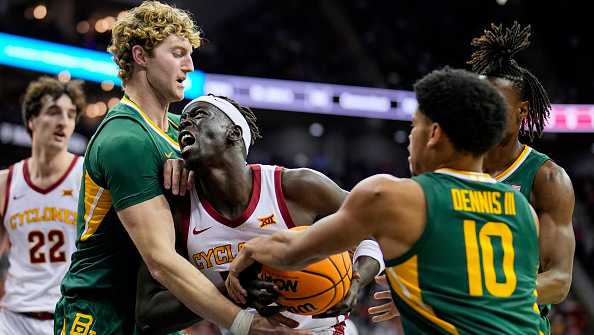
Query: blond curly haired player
{"points": [[123, 213]]}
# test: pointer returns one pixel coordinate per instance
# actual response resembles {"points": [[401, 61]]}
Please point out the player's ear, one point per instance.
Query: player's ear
{"points": [[234, 133], [139, 55], [435, 134], [30, 124], [523, 109]]}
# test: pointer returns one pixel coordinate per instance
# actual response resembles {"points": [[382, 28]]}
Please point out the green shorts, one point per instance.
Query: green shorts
{"points": [[545, 326], [77, 316]]}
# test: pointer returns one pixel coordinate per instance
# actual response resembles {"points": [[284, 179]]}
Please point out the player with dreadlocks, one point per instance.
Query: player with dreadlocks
{"points": [[544, 183]]}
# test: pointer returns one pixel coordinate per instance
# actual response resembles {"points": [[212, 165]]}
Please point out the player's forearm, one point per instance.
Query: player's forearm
{"points": [[280, 252], [193, 289], [367, 268], [552, 286]]}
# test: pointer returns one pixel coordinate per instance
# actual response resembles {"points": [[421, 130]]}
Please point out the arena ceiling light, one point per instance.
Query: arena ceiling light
{"points": [[54, 58], [285, 95]]}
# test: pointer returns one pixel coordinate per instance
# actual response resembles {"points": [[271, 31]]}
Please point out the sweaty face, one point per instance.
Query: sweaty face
{"points": [[418, 138], [203, 134], [168, 66], [54, 124]]}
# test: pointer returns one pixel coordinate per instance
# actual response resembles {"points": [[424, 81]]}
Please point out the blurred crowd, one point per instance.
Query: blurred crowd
{"points": [[365, 43]]}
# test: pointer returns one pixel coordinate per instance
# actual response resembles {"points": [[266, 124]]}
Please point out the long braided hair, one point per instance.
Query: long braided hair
{"points": [[493, 57]]}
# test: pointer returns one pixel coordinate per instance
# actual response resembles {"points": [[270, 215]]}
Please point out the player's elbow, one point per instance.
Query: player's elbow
{"points": [[562, 284], [157, 265]]}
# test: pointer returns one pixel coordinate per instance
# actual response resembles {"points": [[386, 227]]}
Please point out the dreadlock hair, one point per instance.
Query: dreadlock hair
{"points": [[247, 114], [493, 57]]}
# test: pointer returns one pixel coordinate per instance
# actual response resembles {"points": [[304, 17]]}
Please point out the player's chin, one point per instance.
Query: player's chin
{"points": [[177, 94]]}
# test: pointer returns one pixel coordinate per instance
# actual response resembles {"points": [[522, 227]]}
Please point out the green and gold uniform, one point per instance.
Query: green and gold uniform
{"points": [[123, 167], [473, 270], [520, 175]]}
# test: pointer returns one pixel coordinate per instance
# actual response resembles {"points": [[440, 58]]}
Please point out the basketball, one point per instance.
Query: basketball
{"points": [[314, 289]]}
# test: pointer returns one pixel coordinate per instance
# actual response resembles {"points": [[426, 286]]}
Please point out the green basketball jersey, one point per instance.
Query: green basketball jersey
{"points": [[123, 167], [473, 270], [520, 175]]}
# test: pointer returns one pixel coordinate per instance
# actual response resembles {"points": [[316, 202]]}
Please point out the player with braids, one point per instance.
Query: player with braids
{"points": [[228, 206], [432, 227], [544, 183], [248, 115], [494, 58]]}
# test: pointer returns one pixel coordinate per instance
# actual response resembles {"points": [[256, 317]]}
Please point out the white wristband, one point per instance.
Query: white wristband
{"points": [[371, 249], [242, 323]]}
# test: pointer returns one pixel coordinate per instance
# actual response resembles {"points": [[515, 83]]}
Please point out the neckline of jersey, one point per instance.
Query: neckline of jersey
{"points": [[467, 175], [130, 103], [27, 177], [514, 166], [248, 211]]}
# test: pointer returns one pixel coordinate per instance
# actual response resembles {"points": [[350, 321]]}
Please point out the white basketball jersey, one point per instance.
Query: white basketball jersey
{"points": [[214, 241], [41, 227]]}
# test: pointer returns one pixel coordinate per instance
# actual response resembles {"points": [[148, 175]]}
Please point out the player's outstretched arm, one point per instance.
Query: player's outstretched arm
{"points": [[317, 196], [554, 201], [365, 209]]}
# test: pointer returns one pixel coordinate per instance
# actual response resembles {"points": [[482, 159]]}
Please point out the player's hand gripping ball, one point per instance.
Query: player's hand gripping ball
{"points": [[314, 289]]}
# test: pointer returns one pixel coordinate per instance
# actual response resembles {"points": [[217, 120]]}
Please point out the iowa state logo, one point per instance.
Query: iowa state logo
{"points": [[266, 220]]}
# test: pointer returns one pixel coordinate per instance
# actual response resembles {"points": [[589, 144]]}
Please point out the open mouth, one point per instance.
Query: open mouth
{"points": [[186, 139]]}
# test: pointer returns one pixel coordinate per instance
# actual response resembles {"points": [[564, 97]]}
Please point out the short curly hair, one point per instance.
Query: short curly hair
{"points": [[148, 25], [54, 88], [469, 109]]}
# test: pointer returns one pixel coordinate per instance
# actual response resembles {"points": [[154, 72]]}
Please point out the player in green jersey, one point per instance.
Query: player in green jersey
{"points": [[123, 214], [544, 183], [461, 250]]}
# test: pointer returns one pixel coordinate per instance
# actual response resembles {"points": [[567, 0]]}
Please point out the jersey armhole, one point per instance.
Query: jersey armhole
{"points": [[280, 197], [7, 193]]}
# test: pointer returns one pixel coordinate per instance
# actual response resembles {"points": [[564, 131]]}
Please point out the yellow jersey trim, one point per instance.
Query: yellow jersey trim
{"points": [[514, 166], [126, 101], [404, 280], [97, 203], [467, 175]]}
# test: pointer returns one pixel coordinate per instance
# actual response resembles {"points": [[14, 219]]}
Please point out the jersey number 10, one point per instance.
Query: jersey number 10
{"points": [[478, 268]]}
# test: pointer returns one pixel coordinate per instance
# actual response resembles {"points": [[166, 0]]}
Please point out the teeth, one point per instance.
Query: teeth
{"points": [[186, 138]]}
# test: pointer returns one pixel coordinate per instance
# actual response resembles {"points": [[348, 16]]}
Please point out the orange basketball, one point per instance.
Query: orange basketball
{"points": [[314, 289]]}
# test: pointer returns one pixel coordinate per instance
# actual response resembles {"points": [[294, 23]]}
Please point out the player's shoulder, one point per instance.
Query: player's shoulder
{"points": [[305, 181], [3, 180], [551, 177], [302, 176], [4, 174], [552, 186], [389, 188], [121, 133]]}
